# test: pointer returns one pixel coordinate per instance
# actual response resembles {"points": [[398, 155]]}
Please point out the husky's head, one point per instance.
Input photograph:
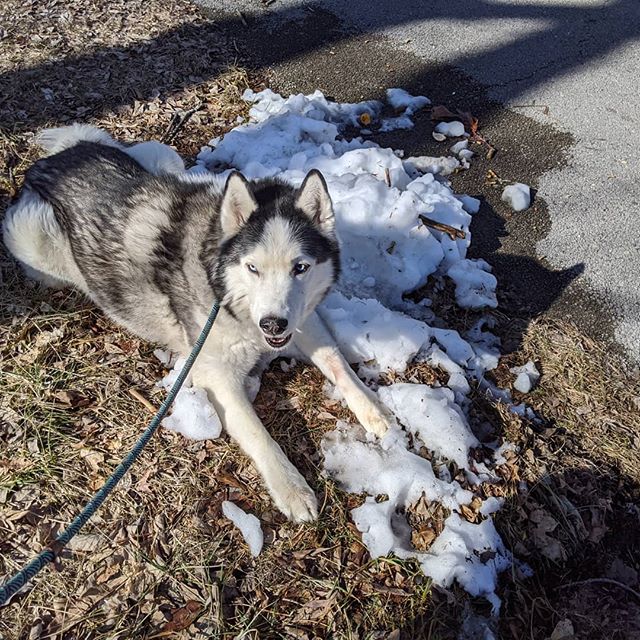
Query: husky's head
{"points": [[279, 254]]}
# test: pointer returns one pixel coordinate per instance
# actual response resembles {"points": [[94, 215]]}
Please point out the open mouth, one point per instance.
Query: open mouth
{"points": [[278, 343]]}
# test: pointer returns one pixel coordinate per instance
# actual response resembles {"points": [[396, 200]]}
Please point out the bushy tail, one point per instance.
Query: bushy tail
{"points": [[155, 157], [55, 140]]}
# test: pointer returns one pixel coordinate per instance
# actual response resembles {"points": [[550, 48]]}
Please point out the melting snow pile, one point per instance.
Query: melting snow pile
{"points": [[387, 250]]}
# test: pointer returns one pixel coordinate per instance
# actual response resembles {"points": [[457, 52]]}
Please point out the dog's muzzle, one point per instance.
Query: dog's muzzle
{"points": [[273, 328]]}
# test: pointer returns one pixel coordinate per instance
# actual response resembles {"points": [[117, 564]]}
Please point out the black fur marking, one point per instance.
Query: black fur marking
{"points": [[274, 198]]}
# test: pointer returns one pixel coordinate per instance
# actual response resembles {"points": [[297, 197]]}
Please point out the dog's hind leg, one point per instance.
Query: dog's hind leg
{"points": [[225, 387], [316, 342], [32, 234]]}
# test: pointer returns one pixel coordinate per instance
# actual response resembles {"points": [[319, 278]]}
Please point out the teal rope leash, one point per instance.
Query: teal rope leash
{"points": [[48, 555]]}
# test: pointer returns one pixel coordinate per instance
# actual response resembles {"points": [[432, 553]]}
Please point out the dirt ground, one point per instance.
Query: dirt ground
{"points": [[159, 560]]}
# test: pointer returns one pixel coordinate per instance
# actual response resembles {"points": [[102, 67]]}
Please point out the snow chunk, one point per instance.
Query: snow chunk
{"points": [[475, 286], [450, 129], [472, 554], [459, 146], [367, 332], [433, 416], [517, 196], [457, 349], [471, 205], [192, 414], [527, 377], [401, 99], [385, 467], [392, 124], [248, 525], [444, 165]]}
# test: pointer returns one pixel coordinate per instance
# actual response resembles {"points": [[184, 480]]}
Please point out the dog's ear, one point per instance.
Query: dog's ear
{"points": [[237, 205], [314, 200]]}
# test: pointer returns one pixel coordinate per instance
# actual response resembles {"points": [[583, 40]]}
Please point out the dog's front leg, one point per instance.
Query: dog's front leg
{"points": [[225, 388], [316, 342]]}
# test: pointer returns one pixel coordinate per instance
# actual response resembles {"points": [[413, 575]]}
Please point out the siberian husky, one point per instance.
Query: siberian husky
{"points": [[154, 248]]}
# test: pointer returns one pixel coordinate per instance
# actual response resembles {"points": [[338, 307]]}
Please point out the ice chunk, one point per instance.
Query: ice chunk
{"points": [[450, 129], [517, 196], [248, 525], [192, 414], [443, 165], [459, 146], [401, 99], [392, 124], [471, 205]]}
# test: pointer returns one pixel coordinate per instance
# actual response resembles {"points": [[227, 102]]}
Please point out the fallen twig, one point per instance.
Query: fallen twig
{"points": [[387, 176], [142, 400], [452, 232], [177, 122], [602, 581], [494, 180]]}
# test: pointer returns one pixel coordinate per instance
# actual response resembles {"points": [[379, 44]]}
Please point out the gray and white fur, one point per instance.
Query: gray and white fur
{"points": [[154, 249]]}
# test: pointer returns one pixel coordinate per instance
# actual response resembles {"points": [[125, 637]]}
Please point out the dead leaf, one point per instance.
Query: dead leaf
{"points": [[423, 538], [563, 630], [440, 113], [86, 542], [468, 513], [548, 546], [72, 398], [183, 617]]}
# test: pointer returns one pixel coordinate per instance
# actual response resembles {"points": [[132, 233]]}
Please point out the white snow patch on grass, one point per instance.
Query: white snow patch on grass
{"points": [[433, 417], [472, 554], [192, 414], [248, 525]]}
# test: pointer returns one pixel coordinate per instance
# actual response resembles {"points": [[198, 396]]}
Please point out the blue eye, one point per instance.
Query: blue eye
{"points": [[252, 268], [300, 268]]}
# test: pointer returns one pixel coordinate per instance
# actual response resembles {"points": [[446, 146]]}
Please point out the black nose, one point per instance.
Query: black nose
{"points": [[273, 326]]}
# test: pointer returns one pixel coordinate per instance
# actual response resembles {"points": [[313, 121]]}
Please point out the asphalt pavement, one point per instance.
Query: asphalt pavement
{"points": [[555, 86]]}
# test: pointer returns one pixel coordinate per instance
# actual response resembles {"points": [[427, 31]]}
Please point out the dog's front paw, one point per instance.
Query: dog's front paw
{"points": [[293, 496], [374, 417]]}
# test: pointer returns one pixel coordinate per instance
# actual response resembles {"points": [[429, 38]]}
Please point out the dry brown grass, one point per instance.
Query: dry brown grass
{"points": [[577, 517]]}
